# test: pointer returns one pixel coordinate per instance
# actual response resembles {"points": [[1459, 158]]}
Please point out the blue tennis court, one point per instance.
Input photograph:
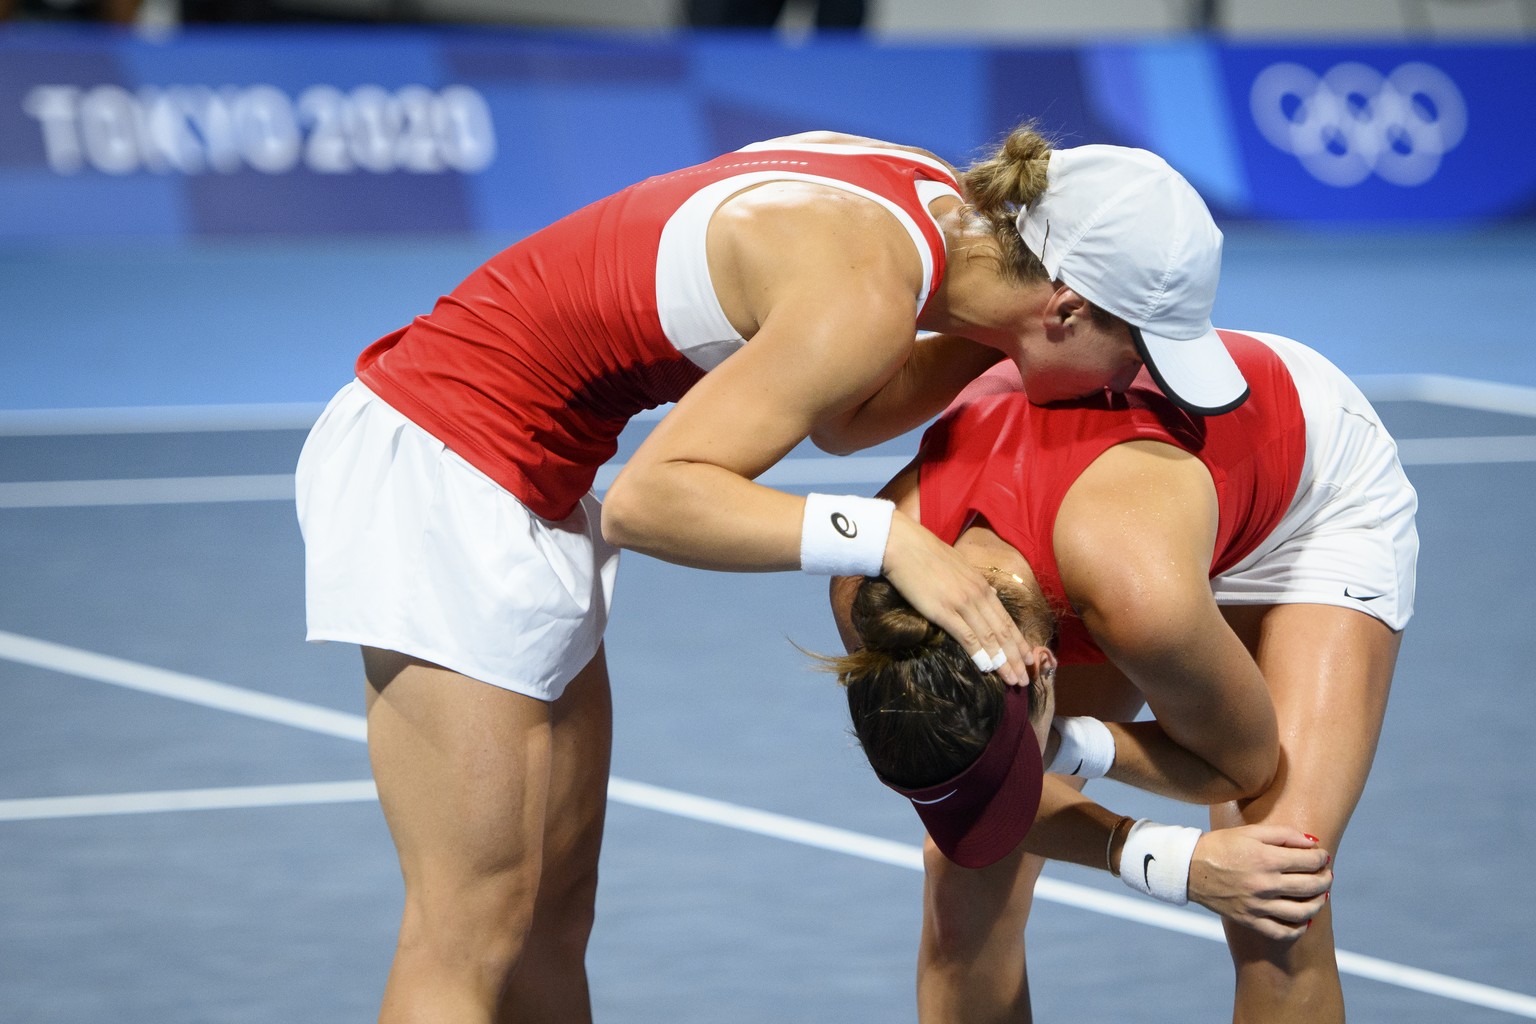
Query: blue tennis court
{"points": [[188, 832]]}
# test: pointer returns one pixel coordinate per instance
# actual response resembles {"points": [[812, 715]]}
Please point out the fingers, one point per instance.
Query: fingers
{"points": [[1296, 874], [1269, 878], [1283, 835], [1290, 850], [982, 626], [955, 596], [1283, 920], [1277, 931], [1301, 885]]}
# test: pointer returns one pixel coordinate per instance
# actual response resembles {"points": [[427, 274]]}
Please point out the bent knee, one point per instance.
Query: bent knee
{"points": [[484, 918], [965, 911], [566, 911]]}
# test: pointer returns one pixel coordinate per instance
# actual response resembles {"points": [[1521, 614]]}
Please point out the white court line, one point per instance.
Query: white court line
{"points": [[222, 798], [806, 472], [178, 419], [175, 490], [1430, 388], [179, 686], [1458, 451], [158, 419], [1439, 389]]}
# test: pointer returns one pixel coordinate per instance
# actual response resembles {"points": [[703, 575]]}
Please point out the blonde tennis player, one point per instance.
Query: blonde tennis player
{"points": [[774, 293]]}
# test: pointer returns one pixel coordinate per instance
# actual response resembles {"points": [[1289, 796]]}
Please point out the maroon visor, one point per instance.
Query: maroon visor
{"points": [[981, 815]]}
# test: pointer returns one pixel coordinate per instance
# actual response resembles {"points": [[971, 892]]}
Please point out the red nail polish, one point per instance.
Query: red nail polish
{"points": [[1309, 924], [1312, 837], [1326, 895]]}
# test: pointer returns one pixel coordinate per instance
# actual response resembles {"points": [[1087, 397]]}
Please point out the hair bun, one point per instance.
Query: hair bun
{"points": [[886, 622]]}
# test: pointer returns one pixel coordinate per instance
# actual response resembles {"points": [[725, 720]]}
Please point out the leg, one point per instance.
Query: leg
{"points": [[550, 982], [971, 963], [464, 770], [1329, 671], [971, 958]]}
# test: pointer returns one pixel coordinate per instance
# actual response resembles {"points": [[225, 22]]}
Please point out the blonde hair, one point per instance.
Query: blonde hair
{"points": [[999, 185]]}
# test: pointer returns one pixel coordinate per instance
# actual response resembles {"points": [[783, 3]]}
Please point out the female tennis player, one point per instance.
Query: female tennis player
{"points": [[1247, 576], [774, 293]]}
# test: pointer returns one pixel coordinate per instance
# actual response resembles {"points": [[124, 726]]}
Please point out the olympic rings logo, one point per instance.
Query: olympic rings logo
{"points": [[1353, 121]]}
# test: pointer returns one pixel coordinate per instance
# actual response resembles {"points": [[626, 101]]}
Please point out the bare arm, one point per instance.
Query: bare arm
{"points": [[938, 367], [1266, 877], [833, 326], [902, 489], [1133, 542]]}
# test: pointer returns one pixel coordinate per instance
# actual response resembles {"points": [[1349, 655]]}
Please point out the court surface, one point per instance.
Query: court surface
{"points": [[187, 828]]}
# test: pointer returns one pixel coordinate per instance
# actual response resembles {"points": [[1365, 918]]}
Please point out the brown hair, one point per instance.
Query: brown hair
{"points": [[921, 708]]}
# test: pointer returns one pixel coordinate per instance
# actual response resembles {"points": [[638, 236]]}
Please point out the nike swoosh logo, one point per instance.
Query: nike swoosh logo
{"points": [[941, 799], [1079, 768], [1360, 597], [1146, 870]]}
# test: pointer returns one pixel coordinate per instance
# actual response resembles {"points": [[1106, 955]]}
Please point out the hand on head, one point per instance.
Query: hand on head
{"points": [[946, 707], [954, 595], [958, 742]]}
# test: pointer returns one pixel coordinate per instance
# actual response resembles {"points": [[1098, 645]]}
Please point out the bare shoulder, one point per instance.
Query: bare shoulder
{"points": [[1141, 518], [787, 243]]}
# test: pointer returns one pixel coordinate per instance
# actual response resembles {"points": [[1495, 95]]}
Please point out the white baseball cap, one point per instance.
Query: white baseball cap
{"points": [[1125, 230]]}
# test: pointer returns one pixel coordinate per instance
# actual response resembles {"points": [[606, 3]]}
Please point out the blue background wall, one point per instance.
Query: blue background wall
{"points": [[229, 215], [220, 132]]}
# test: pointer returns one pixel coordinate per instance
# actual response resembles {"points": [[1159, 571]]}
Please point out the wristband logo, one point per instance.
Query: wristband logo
{"points": [[845, 526], [1146, 869], [1352, 121]]}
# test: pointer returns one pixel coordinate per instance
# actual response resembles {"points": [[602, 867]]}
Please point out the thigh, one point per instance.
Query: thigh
{"points": [[463, 770], [1329, 671], [581, 739]]}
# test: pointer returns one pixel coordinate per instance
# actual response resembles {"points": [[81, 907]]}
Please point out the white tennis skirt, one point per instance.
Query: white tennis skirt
{"points": [[1349, 537], [409, 548]]}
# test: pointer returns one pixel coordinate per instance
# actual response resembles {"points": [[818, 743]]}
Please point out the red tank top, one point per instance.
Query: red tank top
{"points": [[532, 366], [995, 455]]}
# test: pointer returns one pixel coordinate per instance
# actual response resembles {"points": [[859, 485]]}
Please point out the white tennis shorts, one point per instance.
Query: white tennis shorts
{"points": [[409, 548], [1349, 537]]}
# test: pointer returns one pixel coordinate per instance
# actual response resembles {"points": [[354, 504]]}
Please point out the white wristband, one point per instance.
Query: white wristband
{"points": [[844, 535], [1155, 860], [1087, 748]]}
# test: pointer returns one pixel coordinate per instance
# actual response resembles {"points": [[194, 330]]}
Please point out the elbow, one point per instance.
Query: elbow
{"points": [[1264, 763], [1254, 775], [623, 521], [1248, 785], [837, 442]]}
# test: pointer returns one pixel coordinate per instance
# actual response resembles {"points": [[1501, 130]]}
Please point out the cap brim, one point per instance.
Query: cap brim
{"points": [[1197, 374], [981, 815]]}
